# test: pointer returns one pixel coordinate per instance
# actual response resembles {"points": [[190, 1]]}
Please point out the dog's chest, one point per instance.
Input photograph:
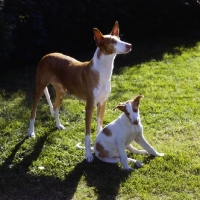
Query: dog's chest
{"points": [[103, 89], [103, 64], [101, 92], [132, 134]]}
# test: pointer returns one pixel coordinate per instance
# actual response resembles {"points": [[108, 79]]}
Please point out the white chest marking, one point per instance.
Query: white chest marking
{"points": [[104, 66], [101, 93]]}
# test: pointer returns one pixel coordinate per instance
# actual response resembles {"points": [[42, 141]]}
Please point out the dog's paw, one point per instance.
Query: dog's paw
{"points": [[31, 134], [61, 127], [160, 154], [89, 157], [138, 163]]}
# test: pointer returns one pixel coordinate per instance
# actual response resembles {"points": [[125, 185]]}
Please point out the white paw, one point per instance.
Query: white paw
{"points": [[160, 154], [89, 157], [61, 127], [138, 163], [31, 134]]}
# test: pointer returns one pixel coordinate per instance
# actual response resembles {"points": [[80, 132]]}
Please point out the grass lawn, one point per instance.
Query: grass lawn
{"points": [[167, 73]]}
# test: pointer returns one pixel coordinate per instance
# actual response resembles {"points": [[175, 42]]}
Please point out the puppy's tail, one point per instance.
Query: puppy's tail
{"points": [[82, 147]]}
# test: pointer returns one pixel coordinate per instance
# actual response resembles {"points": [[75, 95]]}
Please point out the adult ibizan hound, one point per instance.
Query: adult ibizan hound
{"points": [[89, 81], [117, 136]]}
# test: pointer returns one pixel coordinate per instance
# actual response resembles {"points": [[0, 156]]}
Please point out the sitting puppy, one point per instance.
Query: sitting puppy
{"points": [[117, 136]]}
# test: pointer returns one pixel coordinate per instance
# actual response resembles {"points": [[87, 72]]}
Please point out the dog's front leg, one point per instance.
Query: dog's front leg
{"points": [[100, 115], [122, 155], [143, 143], [89, 112]]}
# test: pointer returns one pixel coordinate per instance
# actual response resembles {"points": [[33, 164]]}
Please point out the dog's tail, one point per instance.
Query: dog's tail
{"points": [[82, 147], [46, 92]]}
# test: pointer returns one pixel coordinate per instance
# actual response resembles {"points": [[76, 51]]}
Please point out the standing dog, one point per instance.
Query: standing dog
{"points": [[89, 81], [117, 136]]}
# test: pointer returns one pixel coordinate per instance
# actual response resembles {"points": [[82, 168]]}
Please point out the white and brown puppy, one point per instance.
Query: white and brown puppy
{"points": [[89, 81], [117, 136]]}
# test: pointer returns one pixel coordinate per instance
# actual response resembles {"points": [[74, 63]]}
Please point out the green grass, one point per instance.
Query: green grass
{"points": [[51, 167]]}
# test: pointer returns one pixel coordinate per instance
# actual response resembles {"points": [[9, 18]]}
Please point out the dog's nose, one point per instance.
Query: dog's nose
{"points": [[128, 47], [136, 122]]}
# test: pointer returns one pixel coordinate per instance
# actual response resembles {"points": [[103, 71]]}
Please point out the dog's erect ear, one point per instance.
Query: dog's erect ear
{"points": [[137, 99], [98, 37], [120, 106], [115, 30]]}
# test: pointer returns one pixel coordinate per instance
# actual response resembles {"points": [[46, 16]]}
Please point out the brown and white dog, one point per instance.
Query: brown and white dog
{"points": [[89, 81], [117, 136]]}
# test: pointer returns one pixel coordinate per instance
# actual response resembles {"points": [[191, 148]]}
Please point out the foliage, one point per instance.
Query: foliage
{"points": [[66, 26], [6, 37], [51, 167]]}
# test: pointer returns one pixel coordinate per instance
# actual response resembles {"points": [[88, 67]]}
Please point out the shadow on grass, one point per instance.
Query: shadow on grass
{"points": [[17, 182], [105, 178]]}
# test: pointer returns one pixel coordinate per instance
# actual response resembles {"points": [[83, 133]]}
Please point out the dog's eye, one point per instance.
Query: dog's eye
{"points": [[127, 113], [112, 40]]}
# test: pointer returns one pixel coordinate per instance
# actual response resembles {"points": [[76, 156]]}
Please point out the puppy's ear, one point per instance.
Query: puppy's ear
{"points": [[115, 29], [137, 99], [98, 37], [120, 106]]}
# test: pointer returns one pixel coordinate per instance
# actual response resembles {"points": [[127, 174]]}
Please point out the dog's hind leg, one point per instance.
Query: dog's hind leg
{"points": [[134, 150], [60, 93], [109, 160], [38, 93], [46, 92], [137, 162]]}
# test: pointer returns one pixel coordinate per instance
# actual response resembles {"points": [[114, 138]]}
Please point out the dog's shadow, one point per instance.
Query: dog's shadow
{"points": [[105, 178]]}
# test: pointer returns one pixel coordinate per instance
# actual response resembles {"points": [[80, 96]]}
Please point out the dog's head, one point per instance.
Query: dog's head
{"points": [[111, 44], [131, 109]]}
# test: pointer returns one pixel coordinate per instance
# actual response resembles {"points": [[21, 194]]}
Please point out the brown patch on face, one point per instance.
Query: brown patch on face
{"points": [[107, 47], [102, 152], [135, 106], [107, 132], [127, 113]]}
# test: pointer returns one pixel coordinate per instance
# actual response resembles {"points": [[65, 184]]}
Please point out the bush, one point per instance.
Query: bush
{"points": [[66, 26], [6, 35]]}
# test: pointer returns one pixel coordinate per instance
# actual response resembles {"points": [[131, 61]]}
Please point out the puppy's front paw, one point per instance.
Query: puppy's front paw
{"points": [[89, 157], [160, 154]]}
